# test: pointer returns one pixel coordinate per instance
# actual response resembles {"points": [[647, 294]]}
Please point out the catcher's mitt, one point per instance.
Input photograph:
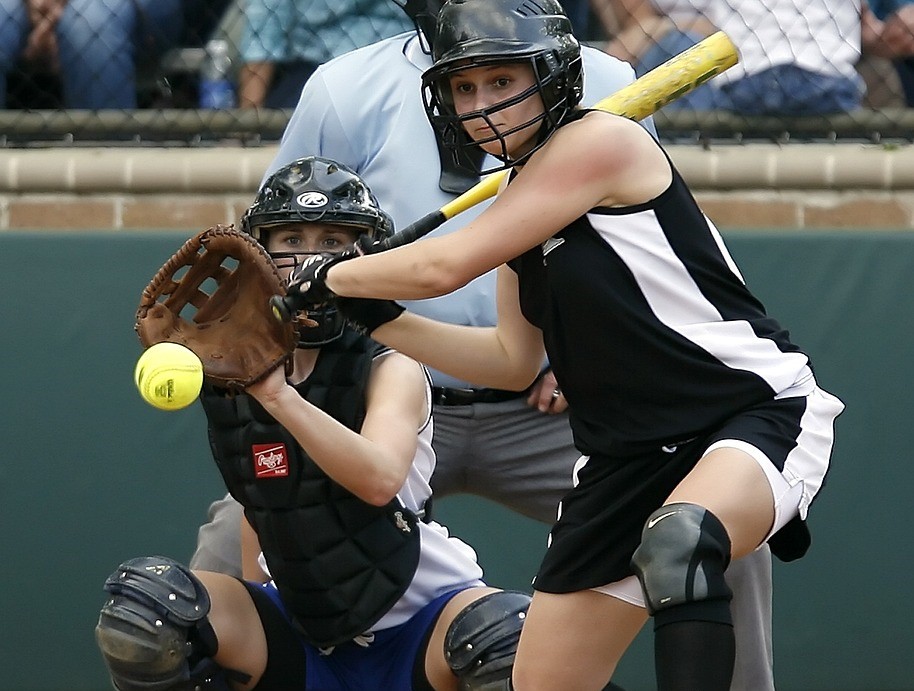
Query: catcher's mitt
{"points": [[213, 296]]}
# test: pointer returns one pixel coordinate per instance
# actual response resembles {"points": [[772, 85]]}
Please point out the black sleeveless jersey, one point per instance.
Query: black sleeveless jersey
{"points": [[650, 329]]}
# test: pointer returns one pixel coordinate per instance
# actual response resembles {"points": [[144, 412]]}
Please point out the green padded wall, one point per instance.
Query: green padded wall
{"points": [[91, 475]]}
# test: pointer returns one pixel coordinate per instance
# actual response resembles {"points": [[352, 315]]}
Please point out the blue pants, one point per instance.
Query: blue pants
{"points": [[792, 90], [383, 661]]}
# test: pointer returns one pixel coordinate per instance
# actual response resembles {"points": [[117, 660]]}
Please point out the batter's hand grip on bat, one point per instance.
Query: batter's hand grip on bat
{"points": [[283, 307]]}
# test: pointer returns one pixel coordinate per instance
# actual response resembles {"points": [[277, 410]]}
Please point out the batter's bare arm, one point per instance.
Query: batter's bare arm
{"points": [[508, 356]]}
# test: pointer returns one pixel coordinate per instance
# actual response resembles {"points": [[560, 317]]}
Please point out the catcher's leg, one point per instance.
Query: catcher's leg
{"points": [[153, 630], [481, 640]]}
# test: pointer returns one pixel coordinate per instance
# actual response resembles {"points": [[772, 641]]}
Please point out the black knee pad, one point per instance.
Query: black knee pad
{"points": [[153, 632], [481, 642], [682, 557]]}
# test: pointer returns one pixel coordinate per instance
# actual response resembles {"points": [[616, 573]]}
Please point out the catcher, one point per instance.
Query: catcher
{"points": [[330, 455]]}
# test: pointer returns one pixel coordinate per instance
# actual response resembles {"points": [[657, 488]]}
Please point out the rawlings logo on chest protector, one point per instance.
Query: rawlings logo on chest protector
{"points": [[270, 460]]}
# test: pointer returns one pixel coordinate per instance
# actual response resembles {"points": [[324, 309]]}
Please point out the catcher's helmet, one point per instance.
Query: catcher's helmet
{"points": [[473, 33], [424, 14], [316, 190]]}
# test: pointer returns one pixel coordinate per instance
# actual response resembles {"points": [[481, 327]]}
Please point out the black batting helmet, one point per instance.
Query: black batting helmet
{"points": [[472, 33]]}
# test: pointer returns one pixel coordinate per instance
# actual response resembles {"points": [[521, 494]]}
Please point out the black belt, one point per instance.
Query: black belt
{"points": [[444, 396]]}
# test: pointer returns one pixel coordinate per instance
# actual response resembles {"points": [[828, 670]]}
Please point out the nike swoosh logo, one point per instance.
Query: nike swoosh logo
{"points": [[654, 521]]}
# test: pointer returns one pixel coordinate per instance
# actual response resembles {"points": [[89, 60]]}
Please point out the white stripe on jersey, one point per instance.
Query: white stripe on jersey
{"points": [[678, 303], [814, 443]]}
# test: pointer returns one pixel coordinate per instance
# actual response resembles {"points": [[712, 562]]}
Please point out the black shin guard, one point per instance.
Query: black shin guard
{"points": [[680, 562]]}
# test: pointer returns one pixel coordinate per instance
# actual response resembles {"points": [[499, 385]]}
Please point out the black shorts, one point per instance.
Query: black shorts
{"points": [[602, 517]]}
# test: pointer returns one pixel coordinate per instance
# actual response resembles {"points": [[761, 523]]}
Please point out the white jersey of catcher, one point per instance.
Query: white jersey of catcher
{"points": [[650, 329], [445, 562]]}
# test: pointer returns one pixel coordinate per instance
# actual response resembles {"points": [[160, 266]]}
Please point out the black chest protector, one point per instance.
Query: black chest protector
{"points": [[339, 563]]}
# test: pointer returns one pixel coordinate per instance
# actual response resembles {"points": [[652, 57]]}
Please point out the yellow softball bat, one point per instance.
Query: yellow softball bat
{"points": [[676, 77]]}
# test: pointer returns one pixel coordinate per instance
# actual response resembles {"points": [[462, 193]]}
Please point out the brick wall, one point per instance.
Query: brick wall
{"points": [[795, 186]]}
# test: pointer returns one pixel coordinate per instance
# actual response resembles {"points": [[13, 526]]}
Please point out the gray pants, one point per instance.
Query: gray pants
{"points": [[522, 459]]}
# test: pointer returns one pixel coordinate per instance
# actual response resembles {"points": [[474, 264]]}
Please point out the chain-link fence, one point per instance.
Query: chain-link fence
{"points": [[207, 71]]}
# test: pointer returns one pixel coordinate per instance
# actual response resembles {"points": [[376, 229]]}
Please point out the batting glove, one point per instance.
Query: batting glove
{"points": [[367, 314], [307, 284]]}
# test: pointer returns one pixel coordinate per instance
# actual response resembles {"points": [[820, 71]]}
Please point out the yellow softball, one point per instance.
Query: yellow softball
{"points": [[168, 376]]}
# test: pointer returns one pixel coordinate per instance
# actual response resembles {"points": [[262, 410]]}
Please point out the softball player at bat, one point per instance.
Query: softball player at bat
{"points": [[702, 429], [365, 109]]}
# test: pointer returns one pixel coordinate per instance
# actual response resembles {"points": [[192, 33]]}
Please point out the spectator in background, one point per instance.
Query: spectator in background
{"points": [[13, 26], [201, 19], [793, 60], [888, 32], [284, 42], [93, 45]]}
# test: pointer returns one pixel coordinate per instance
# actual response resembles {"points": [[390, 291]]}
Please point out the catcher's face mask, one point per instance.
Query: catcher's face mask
{"points": [[319, 191], [288, 246]]}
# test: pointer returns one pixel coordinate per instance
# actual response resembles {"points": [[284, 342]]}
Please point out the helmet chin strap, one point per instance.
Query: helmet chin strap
{"points": [[460, 167]]}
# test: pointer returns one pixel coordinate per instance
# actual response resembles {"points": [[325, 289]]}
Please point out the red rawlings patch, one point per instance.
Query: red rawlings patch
{"points": [[270, 460]]}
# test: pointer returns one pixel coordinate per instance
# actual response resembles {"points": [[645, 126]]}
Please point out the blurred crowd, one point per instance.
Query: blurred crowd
{"points": [[798, 57]]}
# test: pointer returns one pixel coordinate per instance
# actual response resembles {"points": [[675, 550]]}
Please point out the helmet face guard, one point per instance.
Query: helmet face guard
{"points": [[476, 33], [315, 190], [330, 321]]}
